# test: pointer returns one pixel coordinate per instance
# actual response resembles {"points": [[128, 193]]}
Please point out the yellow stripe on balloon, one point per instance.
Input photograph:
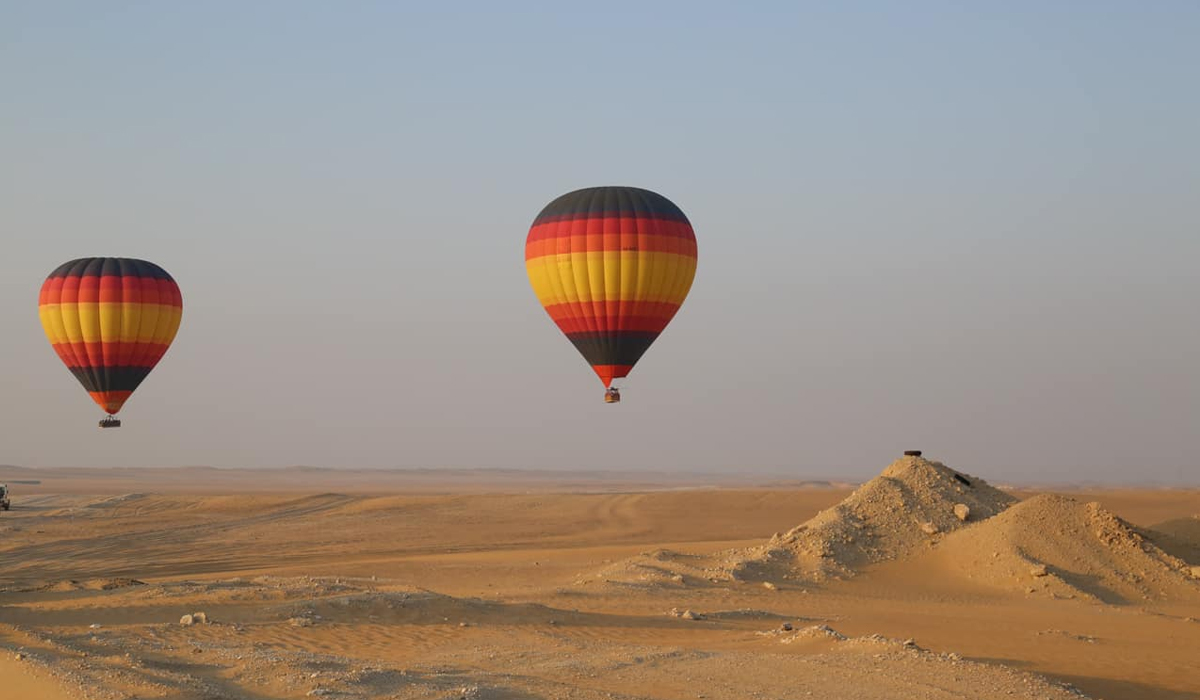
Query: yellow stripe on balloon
{"points": [[611, 276], [109, 322], [52, 323], [168, 324]]}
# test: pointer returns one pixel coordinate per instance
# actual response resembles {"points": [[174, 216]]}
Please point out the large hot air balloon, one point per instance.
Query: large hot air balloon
{"points": [[110, 320], [611, 265]]}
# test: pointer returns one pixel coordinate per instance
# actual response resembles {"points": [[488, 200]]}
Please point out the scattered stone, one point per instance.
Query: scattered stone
{"points": [[187, 620], [1194, 571], [685, 614], [962, 511], [1070, 635], [20, 656], [770, 586], [930, 528], [1039, 571], [786, 627], [200, 618], [300, 622], [94, 626]]}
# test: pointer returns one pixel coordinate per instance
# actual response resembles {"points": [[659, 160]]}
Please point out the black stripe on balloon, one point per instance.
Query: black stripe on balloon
{"points": [[110, 378], [612, 347], [596, 202], [125, 267]]}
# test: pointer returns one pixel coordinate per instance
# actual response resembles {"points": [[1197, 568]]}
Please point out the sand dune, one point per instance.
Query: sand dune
{"points": [[1054, 545], [1179, 537]]}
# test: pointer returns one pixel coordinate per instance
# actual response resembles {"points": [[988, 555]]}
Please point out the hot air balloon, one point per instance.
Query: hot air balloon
{"points": [[110, 320], [611, 265]]}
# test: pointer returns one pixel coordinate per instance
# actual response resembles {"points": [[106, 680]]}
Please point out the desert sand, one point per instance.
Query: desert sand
{"points": [[925, 582]]}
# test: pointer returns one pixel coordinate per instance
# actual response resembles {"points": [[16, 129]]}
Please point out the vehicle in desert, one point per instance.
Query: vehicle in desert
{"points": [[4, 502]]}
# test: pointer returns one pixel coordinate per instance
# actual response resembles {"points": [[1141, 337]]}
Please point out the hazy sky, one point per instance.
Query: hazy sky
{"points": [[972, 228]]}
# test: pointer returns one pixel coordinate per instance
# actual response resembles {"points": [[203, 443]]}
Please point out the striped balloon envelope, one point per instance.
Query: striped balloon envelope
{"points": [[110, 320], [612, 266]]}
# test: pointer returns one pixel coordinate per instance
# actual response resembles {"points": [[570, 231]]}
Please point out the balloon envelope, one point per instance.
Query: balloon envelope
{"points": [[611, 265], [110, 320]]}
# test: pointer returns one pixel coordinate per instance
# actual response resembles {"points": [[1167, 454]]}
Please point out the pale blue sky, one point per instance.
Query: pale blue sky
{"points": [[973, 230]]}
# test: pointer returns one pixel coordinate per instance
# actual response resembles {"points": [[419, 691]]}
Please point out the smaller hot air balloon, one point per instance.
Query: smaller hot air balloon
{"points": [[612, 266], [110, 320]]}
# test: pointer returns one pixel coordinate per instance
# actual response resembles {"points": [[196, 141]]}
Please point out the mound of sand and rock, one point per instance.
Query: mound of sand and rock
{"points": [[891, 516], [912, 503], [1055, 545]]}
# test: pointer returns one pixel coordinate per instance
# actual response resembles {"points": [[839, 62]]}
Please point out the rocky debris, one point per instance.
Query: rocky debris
{"points": [[786, 627], [200, 618], [930, 529], [685, 614], [816, 632], [1038, 571], [770, 586], [115, 583], [187, 620], [1194, 571], [300, 621], [962, 511]]}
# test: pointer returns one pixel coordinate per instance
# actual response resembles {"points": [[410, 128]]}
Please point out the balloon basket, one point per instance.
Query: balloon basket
{"points": [[110, 422], [612, 397]]}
